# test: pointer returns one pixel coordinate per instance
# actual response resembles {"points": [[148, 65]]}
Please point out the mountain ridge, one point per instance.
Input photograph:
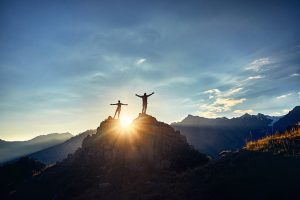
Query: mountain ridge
{"points": [[212, 136], [60, 151], [15, 149]]}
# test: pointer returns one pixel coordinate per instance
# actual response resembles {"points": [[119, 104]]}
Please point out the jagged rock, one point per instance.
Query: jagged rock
{"points": [[104, 185], [146, 143], [224, 153], [115, 161]]}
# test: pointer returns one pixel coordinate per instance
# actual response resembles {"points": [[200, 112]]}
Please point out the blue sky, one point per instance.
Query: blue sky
{"points": [[63, 62]]}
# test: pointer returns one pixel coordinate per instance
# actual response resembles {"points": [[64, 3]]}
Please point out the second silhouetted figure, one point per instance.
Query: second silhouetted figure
{"points": [[118, 110], [144, 98]]}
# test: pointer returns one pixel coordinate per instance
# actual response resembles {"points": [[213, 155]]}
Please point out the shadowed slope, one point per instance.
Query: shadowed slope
{"points": [[14, 150], [288, 120], [61, 151], [118, 163], [211, 136]]}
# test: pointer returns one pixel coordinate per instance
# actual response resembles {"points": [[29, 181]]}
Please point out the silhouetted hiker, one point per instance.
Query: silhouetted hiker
{"points": [[144, 97], [118, 110]]}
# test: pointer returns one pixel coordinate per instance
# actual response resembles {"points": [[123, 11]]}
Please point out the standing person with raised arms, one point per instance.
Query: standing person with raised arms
{"points": [[118, 110], [145, 102]]}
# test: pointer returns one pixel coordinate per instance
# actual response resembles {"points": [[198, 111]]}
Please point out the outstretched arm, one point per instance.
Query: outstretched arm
{"points": [[124, 104], [112, 104], [150, 94], [138, 95]]}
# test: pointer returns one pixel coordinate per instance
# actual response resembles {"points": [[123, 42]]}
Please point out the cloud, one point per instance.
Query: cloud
{"points": [[280, 113], [208, 114], [222, 105], [233, 91], [140, 61], [285, 111], [276, 113], [217, 93], [243, 111], [299, 95], [284, 96], [226, 103], [221, 101], [258, 64], [212, 91], [294, 75], [255, 77]]}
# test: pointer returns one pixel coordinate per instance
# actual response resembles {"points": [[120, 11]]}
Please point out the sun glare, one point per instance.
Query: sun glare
{"points": [[125, 121]]}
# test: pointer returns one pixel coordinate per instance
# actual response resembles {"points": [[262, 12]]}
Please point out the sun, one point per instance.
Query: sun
{"points": [[125, 121]]}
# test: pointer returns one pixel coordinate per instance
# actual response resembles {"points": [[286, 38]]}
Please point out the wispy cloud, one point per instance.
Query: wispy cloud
{"points": [[208, 114], [233, 91], [284, 96], [140, 61], [217, 93], [276, 114], [222, 101], [299, 95], [257, 65], [294, 75], [285, 111], [255, 77], [221, 105], [226, 103], [280, 113], [212, 91], [243, 111]]}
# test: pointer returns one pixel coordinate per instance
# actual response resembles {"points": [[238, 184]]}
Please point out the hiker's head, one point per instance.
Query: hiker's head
{"points": [[145, 94], [118, 101]]}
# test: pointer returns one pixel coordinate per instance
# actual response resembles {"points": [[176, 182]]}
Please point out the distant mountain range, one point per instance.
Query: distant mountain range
{"points": [[211, 136], [61, 151], [16, 149]]}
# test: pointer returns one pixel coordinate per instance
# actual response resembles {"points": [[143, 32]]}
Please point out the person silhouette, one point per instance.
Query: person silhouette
{"points": [[145, 102], [118, 110]]}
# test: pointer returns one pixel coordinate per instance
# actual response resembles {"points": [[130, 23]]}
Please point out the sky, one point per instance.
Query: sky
{"points": [[63, 62]]}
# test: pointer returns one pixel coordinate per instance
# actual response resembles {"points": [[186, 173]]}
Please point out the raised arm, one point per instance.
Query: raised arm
{"points": [[138, 95], [150, 94]]}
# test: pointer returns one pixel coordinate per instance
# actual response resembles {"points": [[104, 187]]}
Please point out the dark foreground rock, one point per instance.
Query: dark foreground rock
{"points": [[242, 175], [139, 162], [149, 160]]}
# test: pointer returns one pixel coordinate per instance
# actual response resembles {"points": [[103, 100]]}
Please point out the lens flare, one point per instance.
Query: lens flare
{"points": [[125, 121]]}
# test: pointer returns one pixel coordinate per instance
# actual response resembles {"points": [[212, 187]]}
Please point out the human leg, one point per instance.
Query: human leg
{"points": [[115, 113]]}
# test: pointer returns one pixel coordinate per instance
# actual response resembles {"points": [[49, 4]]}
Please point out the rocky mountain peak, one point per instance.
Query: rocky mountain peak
{"points": [[145, 143], [115, 161]]}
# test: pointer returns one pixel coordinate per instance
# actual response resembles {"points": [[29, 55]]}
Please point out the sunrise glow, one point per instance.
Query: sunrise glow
{"points": [[126, 121]]}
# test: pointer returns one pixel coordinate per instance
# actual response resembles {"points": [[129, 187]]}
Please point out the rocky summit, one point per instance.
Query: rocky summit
{"points": [[134, 162], [145, 144]]}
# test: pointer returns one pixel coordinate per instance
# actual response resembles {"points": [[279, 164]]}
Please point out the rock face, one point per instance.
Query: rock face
{"points": [[137, 162], [290, 119], [147, 143]]}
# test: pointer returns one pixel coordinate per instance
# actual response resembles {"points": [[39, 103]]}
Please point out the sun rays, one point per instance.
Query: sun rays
{"points": [[125, 121]]}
